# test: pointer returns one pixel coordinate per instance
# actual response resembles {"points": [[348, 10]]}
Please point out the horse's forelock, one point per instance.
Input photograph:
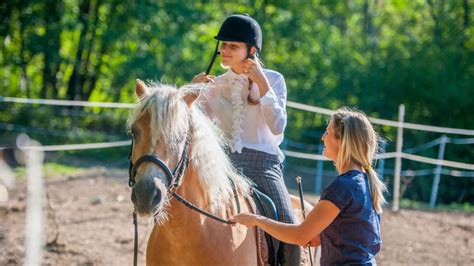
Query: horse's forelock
{"points": [[168, 115]]}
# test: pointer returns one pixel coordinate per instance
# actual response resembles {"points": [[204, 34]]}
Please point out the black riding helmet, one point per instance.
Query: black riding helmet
{"points": [[238, 28], [241, 28]]}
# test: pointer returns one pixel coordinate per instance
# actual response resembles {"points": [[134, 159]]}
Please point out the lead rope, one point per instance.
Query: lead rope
{"points": [[191, 206], [203, 212], [188, 204], [135, 241]]}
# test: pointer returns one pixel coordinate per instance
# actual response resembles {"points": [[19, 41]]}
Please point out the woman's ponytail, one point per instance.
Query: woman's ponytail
{"points": [[359, 143]]}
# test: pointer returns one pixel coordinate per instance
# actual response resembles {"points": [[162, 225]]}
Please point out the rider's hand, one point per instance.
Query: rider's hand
{"points": [[202, 78], [253, 70]]}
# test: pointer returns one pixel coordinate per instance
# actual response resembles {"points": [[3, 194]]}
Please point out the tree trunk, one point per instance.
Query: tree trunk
{"points": [[91, 71], [23, 80], [51, 47], [76, 80], [466, 14], [437, 29]]}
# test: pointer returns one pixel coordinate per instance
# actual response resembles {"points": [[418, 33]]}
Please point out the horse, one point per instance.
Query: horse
{"points": [[190, 205]]}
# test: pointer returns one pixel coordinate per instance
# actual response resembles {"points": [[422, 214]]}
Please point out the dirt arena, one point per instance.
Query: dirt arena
{"points": [[89, 223]]}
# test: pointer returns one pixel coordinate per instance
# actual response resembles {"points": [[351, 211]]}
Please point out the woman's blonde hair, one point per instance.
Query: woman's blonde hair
{"points": [[359, 143]]}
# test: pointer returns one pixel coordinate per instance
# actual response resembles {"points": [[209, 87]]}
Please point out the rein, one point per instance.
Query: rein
{"points": [[174, 180], [201, 211]]}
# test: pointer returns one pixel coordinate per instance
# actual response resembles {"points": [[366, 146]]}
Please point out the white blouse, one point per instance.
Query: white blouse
{"points": [[258, 127]]}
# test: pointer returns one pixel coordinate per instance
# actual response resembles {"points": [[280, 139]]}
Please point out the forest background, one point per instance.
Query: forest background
{"points": [[369, 54]]}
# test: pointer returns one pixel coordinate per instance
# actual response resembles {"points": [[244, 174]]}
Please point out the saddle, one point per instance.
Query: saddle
{"points": [[267, 208]]}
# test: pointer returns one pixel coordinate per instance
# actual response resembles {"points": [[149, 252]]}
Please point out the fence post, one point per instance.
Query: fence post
{"points": [[398, 159], [319, 172], [437, 176], [381, 162], [34, 202]]}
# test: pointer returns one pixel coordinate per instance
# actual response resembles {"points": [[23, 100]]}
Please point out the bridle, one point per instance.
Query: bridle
{"points": [[174, 180]]}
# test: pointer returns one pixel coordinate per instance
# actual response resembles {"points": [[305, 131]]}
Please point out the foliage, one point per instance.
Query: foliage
{"points": [[373, 55]]}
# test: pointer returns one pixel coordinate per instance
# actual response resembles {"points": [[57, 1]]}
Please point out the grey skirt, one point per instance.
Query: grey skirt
{"points": [[265, 171]]}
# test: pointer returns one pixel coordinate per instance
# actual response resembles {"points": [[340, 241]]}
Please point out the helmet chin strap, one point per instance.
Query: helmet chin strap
{"points": [[216, 52], [249, 53]]}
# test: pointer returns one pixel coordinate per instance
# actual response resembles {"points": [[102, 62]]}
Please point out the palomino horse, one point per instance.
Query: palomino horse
{"points": [[170, 132]]}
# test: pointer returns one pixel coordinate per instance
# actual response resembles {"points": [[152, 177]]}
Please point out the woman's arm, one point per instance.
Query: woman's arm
{"points": [[318, 219], [273, 106], [315, 242], [203, 78], [272, 95]]}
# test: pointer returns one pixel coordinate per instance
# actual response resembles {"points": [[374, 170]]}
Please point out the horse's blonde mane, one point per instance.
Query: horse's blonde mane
{"points": [[171, 120]]}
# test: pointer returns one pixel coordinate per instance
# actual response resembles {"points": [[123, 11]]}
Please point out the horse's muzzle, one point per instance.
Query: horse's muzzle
{"points": [[146, 197]]}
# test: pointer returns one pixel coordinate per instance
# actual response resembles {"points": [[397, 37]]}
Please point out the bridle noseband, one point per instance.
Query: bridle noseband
{"points": [[173, 178]]}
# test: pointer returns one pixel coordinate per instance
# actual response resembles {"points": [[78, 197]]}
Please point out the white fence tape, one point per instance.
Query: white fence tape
{"points": [[437, 162], [291, 104], [301, 155], [85, 146], [388, 155], [386, 122], [67, 102], [287, 153]]}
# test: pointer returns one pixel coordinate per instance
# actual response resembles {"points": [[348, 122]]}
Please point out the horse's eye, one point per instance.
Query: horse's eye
{"points": [[135, 133]]}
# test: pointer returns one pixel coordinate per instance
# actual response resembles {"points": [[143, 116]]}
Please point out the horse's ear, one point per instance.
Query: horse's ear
{"points": [[141, 89], [190, 96]]}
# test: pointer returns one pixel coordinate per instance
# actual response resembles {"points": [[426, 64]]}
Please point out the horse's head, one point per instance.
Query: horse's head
{"points": [[160, 130]]}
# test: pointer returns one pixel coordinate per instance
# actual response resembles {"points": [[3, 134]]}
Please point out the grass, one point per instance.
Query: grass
{"points": [[52, 169], [411, 204]]}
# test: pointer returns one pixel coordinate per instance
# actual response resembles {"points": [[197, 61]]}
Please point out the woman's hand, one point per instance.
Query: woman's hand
{"points": [[247, 219], [202, 78], [254, 71], [315, 242]]}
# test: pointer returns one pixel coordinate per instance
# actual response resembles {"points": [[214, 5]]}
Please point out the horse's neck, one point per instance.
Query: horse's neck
{"points": [[193, 191], [189, 238], [184, 223]]}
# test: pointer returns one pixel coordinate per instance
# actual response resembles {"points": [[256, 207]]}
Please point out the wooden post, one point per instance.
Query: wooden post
{"points": [[398, 159], [319, 172], [34, 231], [381, 162], [437, 176]]}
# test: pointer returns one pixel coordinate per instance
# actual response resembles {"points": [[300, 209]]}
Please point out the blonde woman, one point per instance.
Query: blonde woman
{"points": [[346, 221]]}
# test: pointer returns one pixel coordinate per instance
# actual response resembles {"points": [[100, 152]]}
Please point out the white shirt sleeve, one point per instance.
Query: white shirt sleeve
{"points": [[273, 105]]}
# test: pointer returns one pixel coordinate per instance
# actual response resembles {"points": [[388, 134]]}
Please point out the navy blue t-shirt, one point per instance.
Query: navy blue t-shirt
{"points": [[354, 236]]}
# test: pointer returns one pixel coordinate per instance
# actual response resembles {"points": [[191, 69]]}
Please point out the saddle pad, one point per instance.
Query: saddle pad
{"points": [[267, 208]]}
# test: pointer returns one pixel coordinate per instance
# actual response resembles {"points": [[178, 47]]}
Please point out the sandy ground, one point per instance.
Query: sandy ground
{"points": [[89, 222]]}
